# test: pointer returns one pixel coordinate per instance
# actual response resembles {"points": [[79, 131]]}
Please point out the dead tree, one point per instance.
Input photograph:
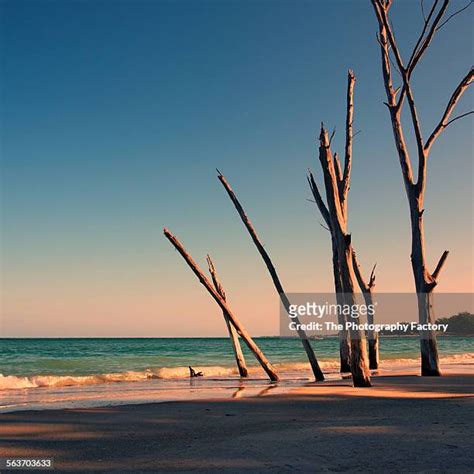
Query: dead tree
{"points": [[425, 281], [224, 306], [367, 289], [318, 374], [343, 179], [342, 241], [344, 340], [234, 337], [337, 183]]}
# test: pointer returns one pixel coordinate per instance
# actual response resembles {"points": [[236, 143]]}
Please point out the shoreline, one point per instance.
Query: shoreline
{"points": [[224, 384], [319, 427], [219, 385]]}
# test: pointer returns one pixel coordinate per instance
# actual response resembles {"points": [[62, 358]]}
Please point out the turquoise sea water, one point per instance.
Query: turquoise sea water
{"points": [[82, 357], [78, 373]]}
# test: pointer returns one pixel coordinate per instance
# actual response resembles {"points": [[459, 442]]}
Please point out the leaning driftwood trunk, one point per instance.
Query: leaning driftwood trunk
{"points": [[318, 374], [368, 292], [224, 306], [425, 282], [234, 337]]}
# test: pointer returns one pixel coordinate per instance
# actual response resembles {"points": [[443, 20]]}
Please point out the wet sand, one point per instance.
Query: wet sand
{"points": [[402, 424]]}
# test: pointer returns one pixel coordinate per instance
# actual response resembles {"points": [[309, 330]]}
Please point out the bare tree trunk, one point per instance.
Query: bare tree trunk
{"points": [[234, 337], [224, 306], [425, 284], [367, 290], [335, 215], [318, 374], [337, 184], [343, 334], [415, 190], [359, 367], [373, 351], [428, 345]]}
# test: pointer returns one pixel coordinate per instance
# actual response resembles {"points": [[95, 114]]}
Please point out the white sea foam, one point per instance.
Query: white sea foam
{"points": [[332, 365]]}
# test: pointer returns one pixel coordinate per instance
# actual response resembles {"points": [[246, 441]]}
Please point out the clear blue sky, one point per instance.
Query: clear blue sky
{"points": [[115, 115]]}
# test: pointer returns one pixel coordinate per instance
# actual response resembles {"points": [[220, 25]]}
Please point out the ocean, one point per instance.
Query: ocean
{"points": [[42, 373]]}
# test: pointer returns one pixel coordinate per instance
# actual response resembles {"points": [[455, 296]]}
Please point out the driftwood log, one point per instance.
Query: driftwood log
{"points": [[425, 281], [193, 373], [234, 337], [318, 374], [267, 367]]}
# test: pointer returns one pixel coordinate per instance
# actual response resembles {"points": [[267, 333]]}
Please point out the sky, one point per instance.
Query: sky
{"points": [[115, 114]]}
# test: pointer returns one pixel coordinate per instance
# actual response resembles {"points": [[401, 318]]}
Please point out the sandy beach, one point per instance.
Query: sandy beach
{"points": [[402, 424]]}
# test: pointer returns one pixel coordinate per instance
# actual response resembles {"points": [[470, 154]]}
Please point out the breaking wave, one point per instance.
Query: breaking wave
{"points": [[8, 382], [15, 382]]}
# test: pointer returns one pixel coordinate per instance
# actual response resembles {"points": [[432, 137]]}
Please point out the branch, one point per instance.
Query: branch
{"points": [[444, 122], [440, 265], [337, 165], [384, 49], [324, 227], [459, 117], [411, 100], [423, 10], [372, 276], [418, 50], [349, 135], [364, 287], [391, 40], [454, 14], [404, 157], [215, 279], [317, 198], [336, 213], [422, 44], [233, 334], [332, 135], [339, 175]]}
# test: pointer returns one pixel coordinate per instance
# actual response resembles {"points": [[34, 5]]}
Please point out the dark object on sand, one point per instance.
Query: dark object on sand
{"points": [[193, 373]]}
